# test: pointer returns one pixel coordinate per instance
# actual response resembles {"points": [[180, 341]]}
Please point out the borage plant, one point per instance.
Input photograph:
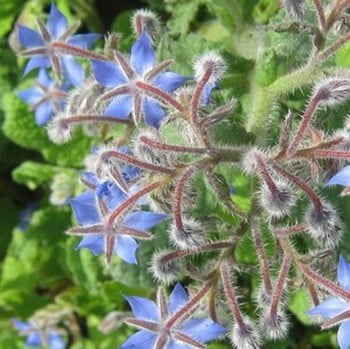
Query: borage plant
{"points": [[225, 194]]}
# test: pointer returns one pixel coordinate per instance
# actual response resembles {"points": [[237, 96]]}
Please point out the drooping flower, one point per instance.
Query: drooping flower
{"points": [[39, 337], [337, 310], [92, 209], [157, 324], [48, 47], [122, 78], [46, 97]]}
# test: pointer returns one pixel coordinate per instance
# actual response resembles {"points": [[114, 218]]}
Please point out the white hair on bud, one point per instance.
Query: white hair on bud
{"points": [[324, 225], [248, 160], [295, 9], [279, 203], [59, 130], [274, 326], [190, 237], [211, 60], [248, 338], [163, 270], [149, 21], [333, 91]]}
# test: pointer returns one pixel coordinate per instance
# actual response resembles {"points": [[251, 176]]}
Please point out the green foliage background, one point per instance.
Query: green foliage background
{"points": [[40, 269]]}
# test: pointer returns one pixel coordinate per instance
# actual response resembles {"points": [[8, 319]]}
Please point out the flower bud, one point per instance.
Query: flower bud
{"points": [[190, 237], [324, 225], [274, 326], [165, 267], [59, 129], [247, 338], [145, 20], [213, 61], [333, 91], [62, 188], [278, 203], [295, 9]]}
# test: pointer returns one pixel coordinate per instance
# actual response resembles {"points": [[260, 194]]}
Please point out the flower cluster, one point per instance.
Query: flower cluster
{"points": [[145, 179]]}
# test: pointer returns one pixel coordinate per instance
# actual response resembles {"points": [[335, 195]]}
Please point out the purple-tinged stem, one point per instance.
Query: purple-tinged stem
{"points": [[301, 184], [197, 95], [175, 148], [323, 282], [158, 93], [321, 16], [178, 194], [330, 154], [336, 320], [260, 251], [162, 304], [78, 52], [313, 293], [288, 231], [265, 175], [76, 119], [330, 50], [138, 163], [308, 114], [231, 297], [281, 279]]}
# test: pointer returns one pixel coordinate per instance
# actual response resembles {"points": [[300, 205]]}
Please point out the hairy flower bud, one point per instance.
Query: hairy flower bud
{"points": [[274, 326], [324, 225], [190, 237], [213, 61], [245, 339], [165, 267], [277, 203], [59, 129], [145, 20], [295, 9], [62, 188], [333, 91]]}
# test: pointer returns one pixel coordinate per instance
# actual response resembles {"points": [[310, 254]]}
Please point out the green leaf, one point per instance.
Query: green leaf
{"points": [[9, 12], [33, 174], [82, 265], [20, 127], [299, 304]]}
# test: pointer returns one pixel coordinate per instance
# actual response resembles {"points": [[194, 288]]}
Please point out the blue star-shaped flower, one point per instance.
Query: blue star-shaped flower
{"points": [[44, 46], [122, 78], [38, 337], [336, 307], [92, 209], [46, 98], [157, 326]]}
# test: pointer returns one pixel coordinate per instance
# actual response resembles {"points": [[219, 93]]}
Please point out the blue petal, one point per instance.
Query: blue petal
{"points": [[169, 81], [143, 308], [144, 220], [203, 330], [177, 298], [43, 113], [85, 209], [113, 194], [176, 345], [44, 78], [142, 56], [34, 339], [108, 74], [39, 61], [120, 107], [29, 38], [206, 93], [154, 114], [94, 243], [56, 341], [83, 41], [72, 70], [126, 248], [330, 307], [31, 95], [56, 22], [20, 325], [140, 340], [343, 335], [343, 272], [342, 177]]}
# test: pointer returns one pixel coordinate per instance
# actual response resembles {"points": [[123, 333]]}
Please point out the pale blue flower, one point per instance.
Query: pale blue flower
{"points": [[335, 306], [153, 319]]}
